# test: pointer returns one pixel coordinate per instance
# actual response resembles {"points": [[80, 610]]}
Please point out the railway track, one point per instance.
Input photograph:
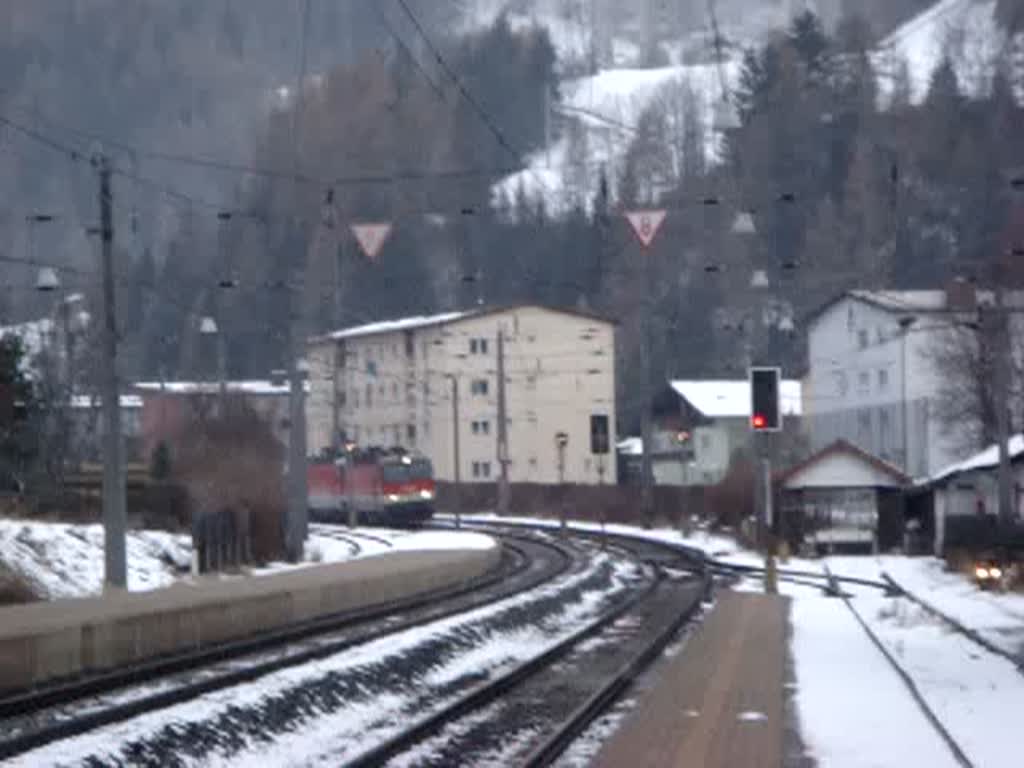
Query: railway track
{"points": [[957, 626], [543, 704], [31, 719], [908, 682]]}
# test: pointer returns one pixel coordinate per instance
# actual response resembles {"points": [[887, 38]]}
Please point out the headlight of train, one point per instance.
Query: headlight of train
{"points": [[981, 572], [425, 494], [392, 497], [995, 573]]}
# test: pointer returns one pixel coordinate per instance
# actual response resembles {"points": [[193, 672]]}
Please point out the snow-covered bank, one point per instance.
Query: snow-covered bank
{"points": [[62, 560]]}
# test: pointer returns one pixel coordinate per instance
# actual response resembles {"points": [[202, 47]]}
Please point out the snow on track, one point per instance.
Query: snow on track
{"points": [[853, 709]]}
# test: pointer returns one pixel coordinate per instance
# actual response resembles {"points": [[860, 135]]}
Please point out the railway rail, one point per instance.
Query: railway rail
{"points": [[545, 703], [954, 624], [30, 719]]}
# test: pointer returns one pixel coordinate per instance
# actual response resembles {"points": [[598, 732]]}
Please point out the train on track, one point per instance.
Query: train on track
{"points": [[374, 486]]}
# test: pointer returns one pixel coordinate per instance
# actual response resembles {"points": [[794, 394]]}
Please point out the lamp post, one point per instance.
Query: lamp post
{"points": [[905, 325]]}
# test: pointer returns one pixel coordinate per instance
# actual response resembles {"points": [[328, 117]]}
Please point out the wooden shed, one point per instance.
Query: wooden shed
{"points": [[841, 499]]}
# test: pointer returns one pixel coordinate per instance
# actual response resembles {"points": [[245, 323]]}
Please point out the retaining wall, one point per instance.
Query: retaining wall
{"points": [[46, 641]]}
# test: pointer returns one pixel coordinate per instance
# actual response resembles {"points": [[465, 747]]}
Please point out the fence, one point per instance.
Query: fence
{"points": [[616, 503]]}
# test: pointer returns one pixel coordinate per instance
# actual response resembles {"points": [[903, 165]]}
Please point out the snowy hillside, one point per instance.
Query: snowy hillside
{"points": [[606, 107], [964, 30]]}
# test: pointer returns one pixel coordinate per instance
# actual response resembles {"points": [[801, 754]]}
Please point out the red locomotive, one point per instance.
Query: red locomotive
{"points": [[382, 487]]}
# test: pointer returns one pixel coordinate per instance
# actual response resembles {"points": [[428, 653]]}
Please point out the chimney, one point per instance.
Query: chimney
{"points": [[961, 295]]}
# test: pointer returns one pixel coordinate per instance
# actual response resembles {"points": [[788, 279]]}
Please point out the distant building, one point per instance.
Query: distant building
{"points": [[87, 430], [391, 384], [871, 379], [168, 407], [699, 424]]}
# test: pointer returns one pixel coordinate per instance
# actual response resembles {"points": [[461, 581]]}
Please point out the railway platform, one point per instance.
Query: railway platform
{"points": [[720, 702]]}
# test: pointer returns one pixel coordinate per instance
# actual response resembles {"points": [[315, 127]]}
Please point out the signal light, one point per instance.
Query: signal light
{"points": [[765, 411]]}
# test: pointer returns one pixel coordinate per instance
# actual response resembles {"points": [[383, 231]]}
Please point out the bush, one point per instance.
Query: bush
{"points": [[732, 500], [232, 463]]}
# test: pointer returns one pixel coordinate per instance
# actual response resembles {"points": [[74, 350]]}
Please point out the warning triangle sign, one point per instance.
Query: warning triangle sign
{"points": [[646, 224], [371, 236]]}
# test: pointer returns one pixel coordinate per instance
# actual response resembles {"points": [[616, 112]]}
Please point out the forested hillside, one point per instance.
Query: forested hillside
{"points": [[414, 114]]}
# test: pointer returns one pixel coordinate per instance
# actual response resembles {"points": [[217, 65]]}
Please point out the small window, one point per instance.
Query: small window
{"points": [[884, 429], [426, 388], [862, 339], [485, 427], [880, 336], [382, 390], [396, 433], [476, 427], [369, 395], [883, 379], [355, 398], [864, 380], [479, 387], [472, 346], [476, 469], [485, 468], [531, 381], [394, 389], [410, 348], [426, 429], [483, 346], [342, 398], [410, 433]]}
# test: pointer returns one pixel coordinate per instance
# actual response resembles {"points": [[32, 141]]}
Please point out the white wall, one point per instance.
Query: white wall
{"points": [[856, 392]]}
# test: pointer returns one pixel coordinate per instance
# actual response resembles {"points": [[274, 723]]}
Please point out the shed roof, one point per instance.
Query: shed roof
{"points": [[986, 459], [844, 448]]}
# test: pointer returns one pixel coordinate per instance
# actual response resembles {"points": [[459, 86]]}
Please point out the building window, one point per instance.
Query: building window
{"points": [[476, 469], [355, 398], [394, 389], [864, 381], [426, 429], [472, 346], [862, 339], [369, 395], [485, 468], [476, 427], [883, 379], [479, 387], [396, 433], [531, 381], [483, 346], [410, 348], [410, 433], [485, 427], [342, 398]]}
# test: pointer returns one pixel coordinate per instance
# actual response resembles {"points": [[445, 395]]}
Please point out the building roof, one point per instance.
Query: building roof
{"points": [[844, 447], [246, 387], [986, 459], [724, 398], [416, 322], [915, 301]]}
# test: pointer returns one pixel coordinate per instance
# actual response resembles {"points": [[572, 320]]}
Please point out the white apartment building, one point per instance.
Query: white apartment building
{"points": [[399, 383], [871, 377]]}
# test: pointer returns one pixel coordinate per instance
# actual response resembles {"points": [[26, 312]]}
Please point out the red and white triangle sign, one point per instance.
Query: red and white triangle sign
{"points": [[371, 236], [646, 223]]}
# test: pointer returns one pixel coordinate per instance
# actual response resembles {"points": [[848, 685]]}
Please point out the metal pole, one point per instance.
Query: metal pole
{"points": [[455, 444], [298, 496], [114, 515], [604, 508], [502, 431], [1001, 397]]}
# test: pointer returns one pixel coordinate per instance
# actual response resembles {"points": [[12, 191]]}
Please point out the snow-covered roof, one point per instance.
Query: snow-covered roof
{"points": [[986, 459], [401, 324], [723, 398], [246, 387], [88, 401], [631, 446]]}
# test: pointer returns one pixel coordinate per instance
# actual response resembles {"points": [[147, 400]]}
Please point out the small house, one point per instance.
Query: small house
{"points": [[841, 499]]}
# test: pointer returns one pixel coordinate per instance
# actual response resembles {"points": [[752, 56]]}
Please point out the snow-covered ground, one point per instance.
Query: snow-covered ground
{"points": [[60, 560], [854, 710]]}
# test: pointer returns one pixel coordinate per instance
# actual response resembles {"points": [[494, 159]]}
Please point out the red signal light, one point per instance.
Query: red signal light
{"points": [[758, 421]]}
